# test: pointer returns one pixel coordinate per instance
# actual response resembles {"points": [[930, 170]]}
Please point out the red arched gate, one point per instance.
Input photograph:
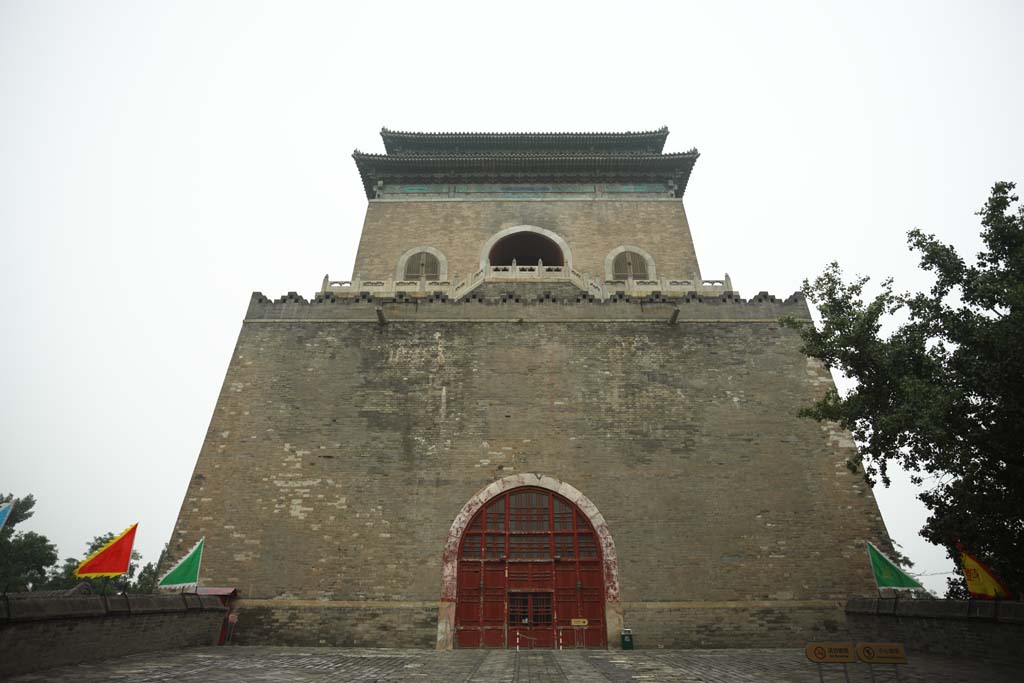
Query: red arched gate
{"points": [[530, 574]]}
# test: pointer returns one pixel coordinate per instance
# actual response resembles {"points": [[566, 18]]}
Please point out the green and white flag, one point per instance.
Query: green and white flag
{"points": [[186, 572], [887, 574]]}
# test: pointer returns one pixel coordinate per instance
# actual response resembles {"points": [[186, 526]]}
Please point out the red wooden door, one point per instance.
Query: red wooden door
{"points": [[530, 620], [529, 564]]}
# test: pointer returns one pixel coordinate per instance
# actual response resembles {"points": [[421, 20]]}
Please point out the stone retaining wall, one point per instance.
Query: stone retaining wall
{"points": [[39, 633], [734, 624], [976, 629]]}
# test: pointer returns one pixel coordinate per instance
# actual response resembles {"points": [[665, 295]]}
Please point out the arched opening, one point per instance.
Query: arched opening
{"points": [[530, 575], [422, 265], [628, 262], [628, 265], [526, 248]]}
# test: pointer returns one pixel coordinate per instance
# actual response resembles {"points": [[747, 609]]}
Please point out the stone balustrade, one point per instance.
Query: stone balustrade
{"points": [[455, 289]]}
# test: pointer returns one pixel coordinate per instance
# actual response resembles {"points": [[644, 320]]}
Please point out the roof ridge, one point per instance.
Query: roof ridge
{"points": [[530, 155], [638, 133]]}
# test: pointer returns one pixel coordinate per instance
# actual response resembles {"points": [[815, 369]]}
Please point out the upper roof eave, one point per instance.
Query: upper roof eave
{"points": [[511, 168], [652, 140]]}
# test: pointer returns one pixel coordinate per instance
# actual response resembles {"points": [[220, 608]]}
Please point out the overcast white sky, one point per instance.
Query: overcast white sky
{"points": [[159, 161]]}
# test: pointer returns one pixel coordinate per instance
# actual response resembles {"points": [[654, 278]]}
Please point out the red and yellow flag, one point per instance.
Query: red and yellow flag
{"points": [[981, 581], [112, 559]]}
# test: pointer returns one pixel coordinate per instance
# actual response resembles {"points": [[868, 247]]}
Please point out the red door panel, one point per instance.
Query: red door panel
{"points": [[529, 564]]}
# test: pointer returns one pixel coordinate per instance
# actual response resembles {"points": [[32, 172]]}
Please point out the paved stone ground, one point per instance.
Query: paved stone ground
{"points": [[299, 665]]}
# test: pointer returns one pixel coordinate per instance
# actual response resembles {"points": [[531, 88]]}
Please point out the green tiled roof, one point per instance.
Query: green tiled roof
{"points": [[402, 142], [525, 158]]}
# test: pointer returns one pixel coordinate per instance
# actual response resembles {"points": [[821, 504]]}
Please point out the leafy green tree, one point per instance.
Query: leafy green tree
{"points": [[943, 394], [24, 555], [148, 577], [62, 576]]}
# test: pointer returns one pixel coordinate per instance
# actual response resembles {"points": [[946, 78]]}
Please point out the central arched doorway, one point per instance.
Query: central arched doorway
{"points": [[526, 248], [530, 574], [525, 244]]}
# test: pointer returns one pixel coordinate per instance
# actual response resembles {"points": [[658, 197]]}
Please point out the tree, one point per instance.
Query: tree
{"points": [[24, 555], [943, 394], [62, 577], [148, 577]]}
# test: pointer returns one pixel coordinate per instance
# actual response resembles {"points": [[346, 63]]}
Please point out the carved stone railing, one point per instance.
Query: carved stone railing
{"points": [[455, 289], [673, 286], [386, 287], [524, 273]]}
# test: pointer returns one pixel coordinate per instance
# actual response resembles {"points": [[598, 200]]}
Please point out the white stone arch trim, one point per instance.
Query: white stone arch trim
{"points": [[609, 260], [450, 558], [442, 261], [553, 236]]}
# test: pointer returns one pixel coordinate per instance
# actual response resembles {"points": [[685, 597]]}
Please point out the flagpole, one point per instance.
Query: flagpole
{"points": [[874, 576]]}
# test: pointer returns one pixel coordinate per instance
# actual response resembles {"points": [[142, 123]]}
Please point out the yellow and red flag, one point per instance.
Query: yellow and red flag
{"points": [[981, 581], [112, 559]]}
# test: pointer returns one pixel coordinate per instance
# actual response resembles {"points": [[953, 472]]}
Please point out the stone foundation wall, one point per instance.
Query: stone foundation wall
{"points": [[976, 629], [654, 625], [336, 624], [743, 624], [39, 633]]}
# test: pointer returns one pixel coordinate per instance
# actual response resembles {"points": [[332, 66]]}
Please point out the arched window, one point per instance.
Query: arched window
{"points": [[422, 266], [629, 264]]}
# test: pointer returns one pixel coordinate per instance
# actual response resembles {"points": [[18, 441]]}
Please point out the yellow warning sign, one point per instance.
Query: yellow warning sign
{"points": [[830, 653], [881, 653]]}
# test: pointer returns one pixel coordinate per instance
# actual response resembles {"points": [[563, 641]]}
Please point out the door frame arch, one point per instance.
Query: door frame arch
{"points": [[609, 260], [442, 262], [485, 252], [450, 558]]}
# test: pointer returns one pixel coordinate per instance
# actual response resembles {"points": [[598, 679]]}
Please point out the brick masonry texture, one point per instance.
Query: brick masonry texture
{"points": [[38, 633], [736, 625], [340, 451], [985, 630], [327, 625], [459, 229]]}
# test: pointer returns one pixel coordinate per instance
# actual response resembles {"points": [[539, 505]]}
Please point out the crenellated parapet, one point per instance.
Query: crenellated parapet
{"points": [[534, 305]]}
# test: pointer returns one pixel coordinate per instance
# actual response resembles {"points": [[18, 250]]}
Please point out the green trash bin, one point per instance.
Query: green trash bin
{"points": [[627, 639]]}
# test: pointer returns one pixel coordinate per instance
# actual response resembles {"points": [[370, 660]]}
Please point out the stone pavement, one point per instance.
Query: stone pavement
{"points": [[321, 665]]}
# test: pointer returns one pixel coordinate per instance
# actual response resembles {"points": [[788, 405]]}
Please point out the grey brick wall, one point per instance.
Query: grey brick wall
{"points": [[341, 450], [592, 229], [39, 633], [976, 629], [739, 625]]}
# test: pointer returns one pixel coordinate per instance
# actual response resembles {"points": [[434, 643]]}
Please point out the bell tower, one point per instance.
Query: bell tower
{"points": [[527, 418], [547, 206]]}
